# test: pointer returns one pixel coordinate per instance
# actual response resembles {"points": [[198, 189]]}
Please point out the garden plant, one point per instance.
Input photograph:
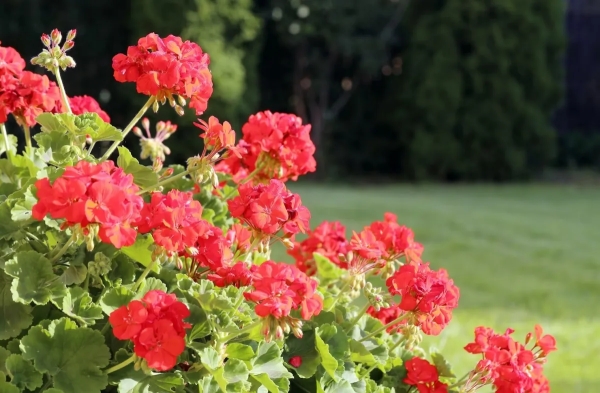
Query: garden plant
{"points": [[117, 276]]}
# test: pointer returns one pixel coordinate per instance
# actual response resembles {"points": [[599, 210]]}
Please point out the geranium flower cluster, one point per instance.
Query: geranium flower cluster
{"points": [[23, 94], [156, 326], [167, 67], [424, 376], [279, 288], [327, 239], [269, 208], [428, 296], [276, 145], [507, 364], [100, 198]]}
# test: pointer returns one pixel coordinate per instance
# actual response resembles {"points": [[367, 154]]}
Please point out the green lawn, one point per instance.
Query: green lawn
{"points": [[520, 254]]}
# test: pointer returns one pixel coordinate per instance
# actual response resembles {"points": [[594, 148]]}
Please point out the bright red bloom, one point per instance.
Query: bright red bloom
{"points": [[546, 343], [270, 208], [83, 104], [210, 248], [93, 194], [327, 239], [424, 376], [430, 295], [239, 237], [156, 327], [127, 321], [26, 96], [280, 288], [165, 67], [238, 275], [175, 220], [396, 240], [278, 143], [11, 62], [507, 364], [218, 136], [295, 361]]}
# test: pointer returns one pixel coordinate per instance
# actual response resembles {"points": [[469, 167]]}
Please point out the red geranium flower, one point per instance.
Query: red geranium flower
{"points": [[327, 239], [11, 61], [127, 321], [165, 67], [424, 376], [83, 104]]}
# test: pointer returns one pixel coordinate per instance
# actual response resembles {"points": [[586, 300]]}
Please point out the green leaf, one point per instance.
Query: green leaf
{"points": [[52, 145], [73, 356], [74, 274], [306, 348], [240, 351], [12, 144], [22, 208], [4, 354], [16, 316], [210, 358], [6, 387], [150, 284], [143, 176], [326, 269], [140, 251], [360, 354], [138, 382], [105, 132], [34, 279], [22, 373], [53, 390], [443, 366], [115, 298], [7, 225], [328, 361], [78, 304], [269, 361]]}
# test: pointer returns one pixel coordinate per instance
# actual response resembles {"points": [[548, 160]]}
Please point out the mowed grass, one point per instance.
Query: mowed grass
{"points": [[520, 255]]}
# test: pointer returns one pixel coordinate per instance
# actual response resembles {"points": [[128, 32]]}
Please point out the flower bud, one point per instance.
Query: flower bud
{"points": [[181, 100], [56, 37], [168, 172], [146, 123], [68, 46], [528, 338], [295, 361], [46, 40], [179, 110], [137, 131], [172, 101], [88, 139], [155, 106], [71, 34]]}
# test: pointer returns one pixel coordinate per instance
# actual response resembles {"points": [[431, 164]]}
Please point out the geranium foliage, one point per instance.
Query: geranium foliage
{"points": [[118, 276]]}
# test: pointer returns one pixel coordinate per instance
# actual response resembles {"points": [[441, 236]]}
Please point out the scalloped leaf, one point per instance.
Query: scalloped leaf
{"points": [[17, 315]]}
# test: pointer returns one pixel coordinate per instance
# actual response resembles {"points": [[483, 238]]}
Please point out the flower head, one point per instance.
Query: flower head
{"points": [[167, 67], [424, 376], [11, 61], [156, 326], [26, 96], [327, 239]]}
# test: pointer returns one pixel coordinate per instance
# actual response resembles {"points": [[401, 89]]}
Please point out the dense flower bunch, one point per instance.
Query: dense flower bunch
{"points": [[156, 326], [99, 198], [276, 145], [279, 288], [327, 239], [269, 208], [507, 364], [424, 376], [167, 67], [428, 295], [184, 278]]}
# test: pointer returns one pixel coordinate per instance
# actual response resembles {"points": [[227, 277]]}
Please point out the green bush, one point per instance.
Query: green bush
{"points": [[480, 81]]}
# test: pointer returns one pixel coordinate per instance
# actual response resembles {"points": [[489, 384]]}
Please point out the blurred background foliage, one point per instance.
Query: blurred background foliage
{"points": [[450, 90]]}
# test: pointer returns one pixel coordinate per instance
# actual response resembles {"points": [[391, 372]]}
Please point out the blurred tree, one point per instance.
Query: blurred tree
{"points": [[479, 84], [336, 45]]}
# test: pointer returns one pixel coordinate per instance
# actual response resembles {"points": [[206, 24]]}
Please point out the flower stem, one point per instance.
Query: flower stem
{"points": [[27, 133], [143, 276], [251, 175], [342, 290], [6, 142], [129, 127], [163, 182], [381, 329], [63, 93], [119, 366], [64, 249], [359, 316]]}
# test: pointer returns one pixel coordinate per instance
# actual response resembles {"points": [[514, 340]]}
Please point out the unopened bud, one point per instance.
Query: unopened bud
{"points": [[279, 333], [68, 46], [146, 123], [179, 110], [56, 36], [88, 139], [163, 100], [172, 101], [157, 165], [288, 243], [71, 34], [168, 172], [528, 338], [295, 361], [155, 106], [46, 40], [137, 131]]}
